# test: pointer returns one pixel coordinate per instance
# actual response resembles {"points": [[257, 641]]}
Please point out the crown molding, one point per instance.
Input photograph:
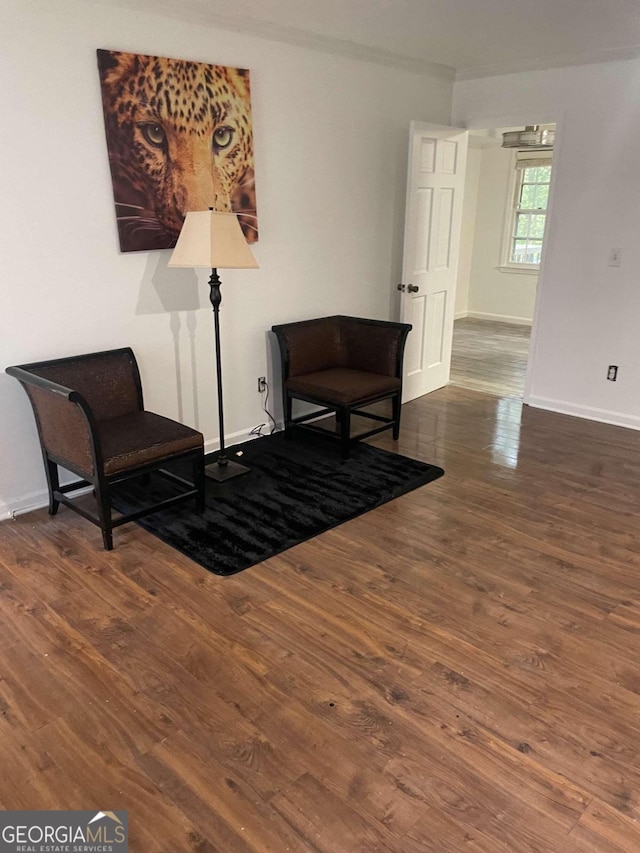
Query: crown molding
{"points": [[197, 14], [546, 63]]}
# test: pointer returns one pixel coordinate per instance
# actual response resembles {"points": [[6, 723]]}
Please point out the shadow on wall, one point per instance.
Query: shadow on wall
{"points": [[175, 292]]}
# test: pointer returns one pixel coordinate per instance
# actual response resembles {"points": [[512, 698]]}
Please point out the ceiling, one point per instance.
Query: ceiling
{"points": [[474, 37]]}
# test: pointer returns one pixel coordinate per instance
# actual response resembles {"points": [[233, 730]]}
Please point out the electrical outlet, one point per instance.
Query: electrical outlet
{"points": [[262, 384], [612, 372]]}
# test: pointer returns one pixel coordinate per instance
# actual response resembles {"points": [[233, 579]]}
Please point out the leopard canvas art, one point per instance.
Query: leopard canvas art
{"points": [[179, 137]]}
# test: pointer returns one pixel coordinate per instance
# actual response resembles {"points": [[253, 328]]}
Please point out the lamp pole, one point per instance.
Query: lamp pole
{"points": [[223, 468], [214, 240], [216, 298]]}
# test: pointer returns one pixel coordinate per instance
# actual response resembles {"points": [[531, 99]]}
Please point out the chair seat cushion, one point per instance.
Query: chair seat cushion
{"points": [[341, 386], [141, 438]]}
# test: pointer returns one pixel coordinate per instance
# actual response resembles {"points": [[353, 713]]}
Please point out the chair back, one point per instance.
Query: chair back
{"points": [[69, 395], [310, 345], [108, 381], [373, 346]]}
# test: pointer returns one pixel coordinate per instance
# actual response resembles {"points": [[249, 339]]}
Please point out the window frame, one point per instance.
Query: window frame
{"points": [[540, 158]]}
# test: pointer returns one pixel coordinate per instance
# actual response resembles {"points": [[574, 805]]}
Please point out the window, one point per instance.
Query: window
{"points": [[527, 220]]}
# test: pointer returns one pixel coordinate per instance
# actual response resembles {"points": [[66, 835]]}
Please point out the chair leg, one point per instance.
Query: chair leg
{"points": [[53, 484], [199, 480], [396, 410], [104, 514], [344, 419], [287, 405]]}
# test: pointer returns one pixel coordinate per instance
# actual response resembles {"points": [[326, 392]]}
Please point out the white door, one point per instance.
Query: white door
{"points": [[435, 184]]}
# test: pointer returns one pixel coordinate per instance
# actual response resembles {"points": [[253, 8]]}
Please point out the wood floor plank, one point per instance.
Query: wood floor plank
{"points": [[457, 670], [603, 827]]}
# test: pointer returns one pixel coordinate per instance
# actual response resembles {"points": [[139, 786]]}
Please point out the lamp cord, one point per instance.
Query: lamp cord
{"points": [[257, 430]]}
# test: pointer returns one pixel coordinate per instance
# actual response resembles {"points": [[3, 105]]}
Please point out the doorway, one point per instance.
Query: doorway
{"points": [[503, 228], [490, 356]]}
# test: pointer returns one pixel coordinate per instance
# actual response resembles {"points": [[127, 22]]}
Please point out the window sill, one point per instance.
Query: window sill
{"points": [[518, 270]]}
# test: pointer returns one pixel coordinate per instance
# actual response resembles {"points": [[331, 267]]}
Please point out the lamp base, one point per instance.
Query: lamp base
{"points": [[221, 473]]}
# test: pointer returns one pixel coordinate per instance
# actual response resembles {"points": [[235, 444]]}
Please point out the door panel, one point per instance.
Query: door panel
{"points": [[443, 228], [414, 355], [427, 155], [425, 198], [436, 328], [449, 156]]}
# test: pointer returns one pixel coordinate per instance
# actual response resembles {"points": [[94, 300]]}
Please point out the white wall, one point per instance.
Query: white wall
{"points": [[331, 138], [495, 294], [468, 227], [586, 312]]}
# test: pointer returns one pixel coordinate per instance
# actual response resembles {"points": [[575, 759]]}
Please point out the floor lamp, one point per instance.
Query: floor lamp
{"points": [[215, 241]]}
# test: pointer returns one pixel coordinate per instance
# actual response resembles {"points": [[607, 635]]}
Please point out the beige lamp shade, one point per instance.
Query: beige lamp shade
{"points": [[213, 240]]}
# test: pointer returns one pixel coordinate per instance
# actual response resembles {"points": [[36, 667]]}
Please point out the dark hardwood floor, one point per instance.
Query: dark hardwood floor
{"points": [[490, 356], [458, 670]]}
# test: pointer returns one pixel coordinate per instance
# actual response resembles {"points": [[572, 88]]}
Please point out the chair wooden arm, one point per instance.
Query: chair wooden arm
{"points": [[24, 375], [66, 425]]}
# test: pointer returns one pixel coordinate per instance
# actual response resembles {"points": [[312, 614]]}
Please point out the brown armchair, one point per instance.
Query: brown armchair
{"points": [[91, 421], [343, 364]]}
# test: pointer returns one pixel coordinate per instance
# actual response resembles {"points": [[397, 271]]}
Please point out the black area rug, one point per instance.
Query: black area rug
{"points": [[297, 488]]}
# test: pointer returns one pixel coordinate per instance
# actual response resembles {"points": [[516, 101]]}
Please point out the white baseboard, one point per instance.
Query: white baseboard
{"points": [[34, 500], [37, 500], [604, 416], [501, 318], [213, 444], [24, 503]]}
